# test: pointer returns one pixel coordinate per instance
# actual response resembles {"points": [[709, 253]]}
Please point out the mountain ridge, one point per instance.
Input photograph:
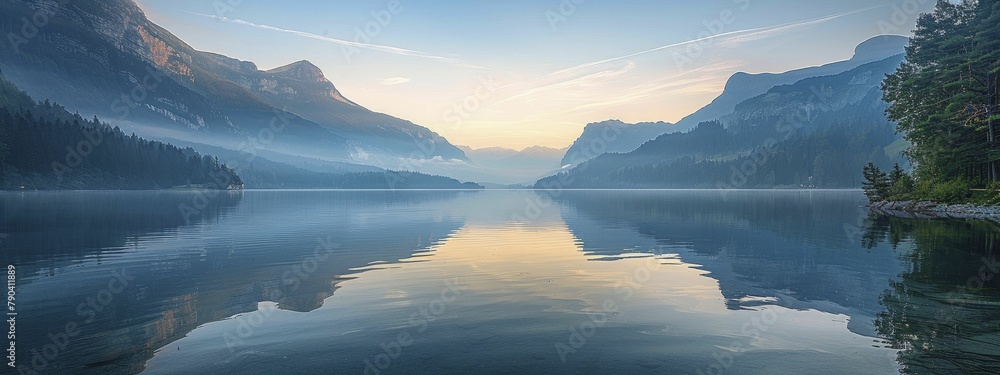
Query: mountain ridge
{"points": [[818, 131], [742, 86]]}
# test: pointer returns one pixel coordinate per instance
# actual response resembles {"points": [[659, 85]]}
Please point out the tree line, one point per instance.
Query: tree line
{"points": [[43, 146]]}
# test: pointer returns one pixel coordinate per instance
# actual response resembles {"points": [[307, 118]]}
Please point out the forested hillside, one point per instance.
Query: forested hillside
{"points": [[42, 146]]}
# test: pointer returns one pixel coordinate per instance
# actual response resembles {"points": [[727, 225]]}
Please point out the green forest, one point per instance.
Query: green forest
{"points": [[944, 98]]}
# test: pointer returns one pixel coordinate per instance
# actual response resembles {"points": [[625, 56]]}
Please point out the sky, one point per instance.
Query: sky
{"points": [[518, 73]]}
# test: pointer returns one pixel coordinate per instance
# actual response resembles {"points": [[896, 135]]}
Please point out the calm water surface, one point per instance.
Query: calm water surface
{"points": [[657, 282]]}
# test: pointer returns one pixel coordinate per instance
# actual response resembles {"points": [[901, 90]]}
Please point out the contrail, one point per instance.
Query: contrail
{"points": [[374, 47], [747, 32]]}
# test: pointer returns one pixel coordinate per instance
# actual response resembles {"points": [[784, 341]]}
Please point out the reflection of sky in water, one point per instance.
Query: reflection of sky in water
{"points": [[689, 275], [526, 285]]}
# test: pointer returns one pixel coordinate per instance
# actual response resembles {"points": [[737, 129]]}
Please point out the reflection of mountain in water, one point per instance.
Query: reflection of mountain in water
{"points": [[263, 246], [943, 314], [791, 246], [47, 226]]}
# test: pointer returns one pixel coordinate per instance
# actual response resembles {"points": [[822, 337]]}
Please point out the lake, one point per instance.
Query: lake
{"points": [[393, 282]]}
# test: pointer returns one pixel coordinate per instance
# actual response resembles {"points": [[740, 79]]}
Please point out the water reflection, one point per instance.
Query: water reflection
{"points": [[788, 247], [241, 249], [493, 282], [943, 313], [560, 291], [45, 227]]}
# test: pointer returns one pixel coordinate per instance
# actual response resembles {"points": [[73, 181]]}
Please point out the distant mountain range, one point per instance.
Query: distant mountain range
{"points": [[815, 132], [106, 58], [534, 157], [505, 166]]}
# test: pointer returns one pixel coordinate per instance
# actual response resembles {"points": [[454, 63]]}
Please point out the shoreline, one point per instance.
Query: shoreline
{"points": [[931, 210]]}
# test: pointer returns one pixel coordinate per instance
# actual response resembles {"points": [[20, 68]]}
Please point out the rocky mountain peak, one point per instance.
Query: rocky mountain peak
{"points": [[300, 70]]}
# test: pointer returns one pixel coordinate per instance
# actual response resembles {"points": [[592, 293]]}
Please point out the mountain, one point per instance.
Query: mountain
{"points": [[611, 136], [617, 137], [742, 86], [505, 166], [543, 151], [106, 58], [487, 155], [302, 89], [43, 146], [538, 156], [817, 132]]}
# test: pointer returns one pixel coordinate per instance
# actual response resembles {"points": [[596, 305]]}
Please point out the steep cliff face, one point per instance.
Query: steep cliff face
{"points": [[809, 97], [107, 58], [125, 27]]}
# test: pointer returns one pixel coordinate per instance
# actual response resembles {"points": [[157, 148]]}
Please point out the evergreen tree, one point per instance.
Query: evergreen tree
{"points": [[876, 184], [900, 182], [944, 96], [896, 175]]}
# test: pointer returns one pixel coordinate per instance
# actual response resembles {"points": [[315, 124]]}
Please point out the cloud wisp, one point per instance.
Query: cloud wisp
{"points": [[395, 81], [370, 46], [561, 78]]}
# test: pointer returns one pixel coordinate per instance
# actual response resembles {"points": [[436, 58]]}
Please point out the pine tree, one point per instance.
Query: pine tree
{"points": [[896, 175], [876, 185], [900, 182]]}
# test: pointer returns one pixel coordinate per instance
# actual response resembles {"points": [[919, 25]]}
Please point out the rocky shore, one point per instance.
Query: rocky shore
{"points": [[931, 210]]}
